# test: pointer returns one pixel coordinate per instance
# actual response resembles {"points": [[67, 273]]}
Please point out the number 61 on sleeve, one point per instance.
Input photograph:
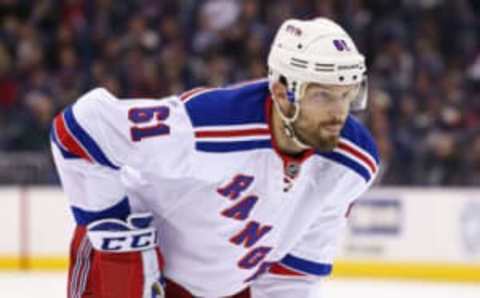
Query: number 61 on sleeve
{"points": [[154, 117]]}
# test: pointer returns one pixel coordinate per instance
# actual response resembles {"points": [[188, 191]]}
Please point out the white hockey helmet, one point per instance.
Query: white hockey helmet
{"points": [[316, 51]]}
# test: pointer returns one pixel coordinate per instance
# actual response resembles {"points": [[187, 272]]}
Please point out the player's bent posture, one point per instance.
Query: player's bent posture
{"points": [[238, 191]]}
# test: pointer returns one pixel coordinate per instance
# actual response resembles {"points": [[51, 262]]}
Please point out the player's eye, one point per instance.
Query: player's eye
{"points": [[325, 96]]}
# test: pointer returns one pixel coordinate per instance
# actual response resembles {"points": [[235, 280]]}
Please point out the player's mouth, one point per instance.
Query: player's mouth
{"points": [[333, 128]]}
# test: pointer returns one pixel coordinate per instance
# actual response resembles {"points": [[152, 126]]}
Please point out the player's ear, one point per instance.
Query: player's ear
{"points": [[279, 94]]}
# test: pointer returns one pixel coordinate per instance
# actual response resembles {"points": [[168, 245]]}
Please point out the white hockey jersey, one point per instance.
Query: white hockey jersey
{"points": [[228, 206]]}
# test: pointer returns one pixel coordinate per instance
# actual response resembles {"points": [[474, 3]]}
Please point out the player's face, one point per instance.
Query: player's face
{"points": [[323, 112]]}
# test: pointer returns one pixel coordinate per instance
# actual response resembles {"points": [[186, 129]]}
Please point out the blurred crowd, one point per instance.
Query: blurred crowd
{"points": [[423, 58]]}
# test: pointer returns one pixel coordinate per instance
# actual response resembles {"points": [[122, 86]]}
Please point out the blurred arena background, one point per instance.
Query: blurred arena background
{"points": [[422, 219]]}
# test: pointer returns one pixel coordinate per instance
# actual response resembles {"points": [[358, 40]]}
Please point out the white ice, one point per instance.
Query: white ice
{"points": [[52, 285]]}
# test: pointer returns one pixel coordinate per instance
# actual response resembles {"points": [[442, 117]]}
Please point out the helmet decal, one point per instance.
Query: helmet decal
{"points": [[341, 45]]}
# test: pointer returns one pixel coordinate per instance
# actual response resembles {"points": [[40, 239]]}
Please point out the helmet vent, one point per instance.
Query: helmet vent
{"points": [[299, 63], [324, 67]]}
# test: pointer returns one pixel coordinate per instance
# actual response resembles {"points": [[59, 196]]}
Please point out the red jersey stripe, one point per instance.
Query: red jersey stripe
{"points": [[358, 154], [67, 140], [279, 269], [232, 133], [188, 94]]}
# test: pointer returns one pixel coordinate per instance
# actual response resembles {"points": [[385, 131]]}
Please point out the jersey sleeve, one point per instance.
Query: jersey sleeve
{"points": [[88, 168], [99, 138], [298, 273], [315, 252], [96, 142]]}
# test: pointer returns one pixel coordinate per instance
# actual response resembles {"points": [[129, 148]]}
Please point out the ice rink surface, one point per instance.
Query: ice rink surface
{"points": [[52, 285]]}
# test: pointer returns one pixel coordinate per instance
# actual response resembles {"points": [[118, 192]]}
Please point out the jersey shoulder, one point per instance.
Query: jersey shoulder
{"points": [[112, 132], [232, 105], [356, 150], [229, 119]]}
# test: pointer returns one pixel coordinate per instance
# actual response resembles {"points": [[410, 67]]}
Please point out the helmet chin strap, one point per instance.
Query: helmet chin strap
{"points": [[288, 124]]}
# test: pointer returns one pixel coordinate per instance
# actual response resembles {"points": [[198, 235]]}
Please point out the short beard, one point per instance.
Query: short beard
{"points": [[327, 144], [323, 144]]}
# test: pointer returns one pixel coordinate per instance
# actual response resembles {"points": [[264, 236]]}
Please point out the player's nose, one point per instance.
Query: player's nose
{"points": [[337, 109]]}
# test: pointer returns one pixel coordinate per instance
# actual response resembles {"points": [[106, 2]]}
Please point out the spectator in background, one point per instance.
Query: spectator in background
{"points": [[8, 84], [423, 59], [33, 123], [442, 164], [394, 65], [472, 162]]}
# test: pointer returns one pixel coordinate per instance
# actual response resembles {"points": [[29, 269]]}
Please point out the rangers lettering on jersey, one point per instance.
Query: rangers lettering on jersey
{"points": [[253, 231]]}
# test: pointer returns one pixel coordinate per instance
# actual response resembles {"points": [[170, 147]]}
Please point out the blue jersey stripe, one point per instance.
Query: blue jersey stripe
{"points": [[65, 154], [358, 134], [348, 162], [121, 210], [232, 146], [314, 268], [229, 106], [88, 143]]}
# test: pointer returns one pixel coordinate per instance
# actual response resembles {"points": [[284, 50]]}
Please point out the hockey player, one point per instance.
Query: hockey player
{"points": [[238, 191]]}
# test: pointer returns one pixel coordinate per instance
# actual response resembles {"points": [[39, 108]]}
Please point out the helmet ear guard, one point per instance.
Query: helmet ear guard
{"points": [[287, 121], [290, 90], [291, 96]]}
